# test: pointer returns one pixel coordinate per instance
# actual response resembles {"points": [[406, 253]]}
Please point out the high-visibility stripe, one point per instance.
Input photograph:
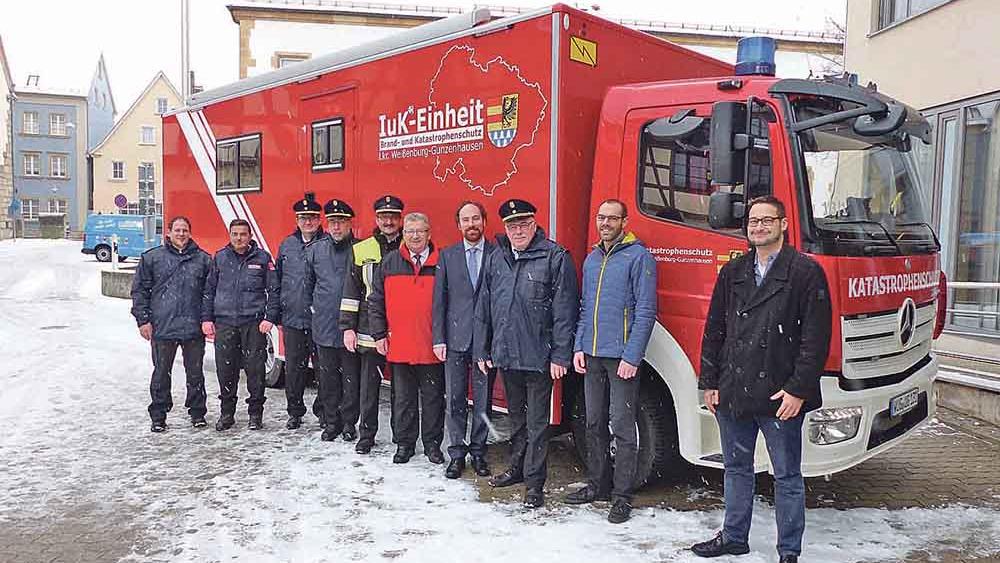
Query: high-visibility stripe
{"points": [[350, 305]]}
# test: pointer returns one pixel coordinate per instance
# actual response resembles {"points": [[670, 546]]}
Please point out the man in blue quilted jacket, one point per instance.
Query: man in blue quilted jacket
{"points": [[617, 313]]}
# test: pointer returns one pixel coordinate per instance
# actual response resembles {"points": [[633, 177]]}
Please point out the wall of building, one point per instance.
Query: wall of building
{"points": [[945, 54], [100, 107], [123, 145], [45, 187], [6, 158]]}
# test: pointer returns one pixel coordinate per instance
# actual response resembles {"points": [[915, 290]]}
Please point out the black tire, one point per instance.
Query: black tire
{"points": [[103, 253], [274, 375], [122, 258], [656, 424]]}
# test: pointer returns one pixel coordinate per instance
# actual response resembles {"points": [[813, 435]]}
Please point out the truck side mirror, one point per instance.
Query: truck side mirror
{"points": [[725, 210], [729, 142]]}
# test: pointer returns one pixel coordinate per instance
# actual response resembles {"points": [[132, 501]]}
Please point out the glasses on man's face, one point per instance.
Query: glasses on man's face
{"points": [[415, 232], [609, 218], [766, 221], [519, 225]]}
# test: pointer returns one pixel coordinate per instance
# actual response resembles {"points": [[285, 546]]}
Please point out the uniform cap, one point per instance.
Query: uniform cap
{"points": [[307, 205], [515, 209], [337, 208], [388, 204]]}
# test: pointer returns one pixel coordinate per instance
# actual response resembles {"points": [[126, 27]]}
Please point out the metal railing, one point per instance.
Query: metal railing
{"points": [[981, 316]]}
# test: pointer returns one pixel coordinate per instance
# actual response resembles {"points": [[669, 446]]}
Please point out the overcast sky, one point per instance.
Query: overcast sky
{"points": [[60, 40]]}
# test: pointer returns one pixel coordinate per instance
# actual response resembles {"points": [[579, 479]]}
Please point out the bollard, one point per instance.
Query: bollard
{"points": [[114, 252]]}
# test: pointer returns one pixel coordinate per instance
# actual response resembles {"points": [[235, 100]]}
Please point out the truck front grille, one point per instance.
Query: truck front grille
{"points": [[872, 346]]}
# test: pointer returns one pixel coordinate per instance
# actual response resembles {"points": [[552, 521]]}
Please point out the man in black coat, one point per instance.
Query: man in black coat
{"points": [[166, 303], [456, 288], [241, 297], [766, 341], [525, 317], [328, 261], [296, 316]]}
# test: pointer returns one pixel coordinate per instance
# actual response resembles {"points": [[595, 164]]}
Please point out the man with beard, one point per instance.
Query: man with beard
{"points": [[399, 310], [296, 316], [354, 319], [456, 288], [766, 340], [616, 319], [328, 261], [166, 303], [525, 317], [241, 297]]}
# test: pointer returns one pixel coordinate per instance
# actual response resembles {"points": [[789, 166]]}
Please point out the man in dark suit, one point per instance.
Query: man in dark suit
{"points": [[456, 287]]}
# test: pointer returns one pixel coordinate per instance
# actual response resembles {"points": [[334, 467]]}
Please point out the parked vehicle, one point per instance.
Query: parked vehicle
{"points": [[136, 234], [564, 109]]}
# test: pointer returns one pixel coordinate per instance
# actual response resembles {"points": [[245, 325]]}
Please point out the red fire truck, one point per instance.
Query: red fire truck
{"points": [[565, 109]]}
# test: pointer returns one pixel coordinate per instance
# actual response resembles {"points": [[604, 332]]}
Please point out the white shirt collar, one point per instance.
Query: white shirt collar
{"points": [[479, 245]]}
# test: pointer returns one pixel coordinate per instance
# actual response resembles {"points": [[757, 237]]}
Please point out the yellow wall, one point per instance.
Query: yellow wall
{"points": [[943, 55], [123, 144]]}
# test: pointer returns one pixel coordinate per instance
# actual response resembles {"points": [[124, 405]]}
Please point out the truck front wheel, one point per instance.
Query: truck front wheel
{"points": [[656, 427], [274, 369]]}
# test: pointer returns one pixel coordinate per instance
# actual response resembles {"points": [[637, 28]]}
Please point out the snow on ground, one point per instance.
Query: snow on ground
{"points": [[74, 386]]}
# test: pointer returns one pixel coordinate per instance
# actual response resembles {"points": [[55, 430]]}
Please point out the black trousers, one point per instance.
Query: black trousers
{"points": [[240, 347], [529, 396], [299, 348], [611, 398], [337, 377], [458, 370], [370, 383], [164, 352], [426, 383]]}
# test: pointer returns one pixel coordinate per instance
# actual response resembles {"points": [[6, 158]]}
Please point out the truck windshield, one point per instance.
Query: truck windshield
{"points": [[865, 192]]}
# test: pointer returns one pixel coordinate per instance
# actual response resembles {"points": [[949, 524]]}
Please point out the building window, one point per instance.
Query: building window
{"points": [[147, 194], [29, 124], [57, 166], [238, 164], [117, 170], [130, 209], [895, 11], [29, 209], [32, 164], [281, 60], [57, 124], [161, 106], [328, 145], [147, 135], [58, 206]]}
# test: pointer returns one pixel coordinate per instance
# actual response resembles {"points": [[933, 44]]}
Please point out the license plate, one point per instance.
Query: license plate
{"points": [[904, 403]]}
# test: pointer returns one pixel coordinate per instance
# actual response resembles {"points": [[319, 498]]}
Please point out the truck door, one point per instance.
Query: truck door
{"points": [[329, 163], [665, 176]]}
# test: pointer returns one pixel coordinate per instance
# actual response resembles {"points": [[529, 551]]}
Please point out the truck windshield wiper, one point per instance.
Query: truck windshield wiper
{"points": [[937, 243], [888, 235]]}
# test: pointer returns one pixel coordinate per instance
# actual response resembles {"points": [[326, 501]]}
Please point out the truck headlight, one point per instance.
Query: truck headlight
{"points": [[831, 426]]}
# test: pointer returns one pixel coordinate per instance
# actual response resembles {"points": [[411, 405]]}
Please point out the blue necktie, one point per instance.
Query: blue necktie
{"points": [[473, 265]]}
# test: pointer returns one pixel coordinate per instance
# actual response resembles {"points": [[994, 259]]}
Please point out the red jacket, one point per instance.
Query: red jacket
{"points": [[399, 306]]}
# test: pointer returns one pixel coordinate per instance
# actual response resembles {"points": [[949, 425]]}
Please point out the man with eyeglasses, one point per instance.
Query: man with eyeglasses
{"points": [[525, 317], [354, 318], [327, 263], [766, 340], [296, 316], [616, 319], [400, 320]]}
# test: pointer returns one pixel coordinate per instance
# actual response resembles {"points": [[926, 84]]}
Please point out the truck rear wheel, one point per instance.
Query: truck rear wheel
{"points": [[103, 253], [274, 369], [656, 426]]}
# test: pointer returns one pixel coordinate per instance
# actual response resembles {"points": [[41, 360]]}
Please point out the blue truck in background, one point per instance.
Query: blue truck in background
{"points": [[136, 234]]}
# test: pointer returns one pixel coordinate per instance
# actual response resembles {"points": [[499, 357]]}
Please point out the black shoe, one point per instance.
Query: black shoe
{"points": [[435, 456], [329, 435], [585, 495], [789, 559], [364, 446], [225, 422], [717, 546], [620, 512], [534, 498], [322, 421], [293, 422], [256, 422], [480, 466], [455, 468], [510, 477], [350, 434], [198, 422], [158, 427], [403, 454]]}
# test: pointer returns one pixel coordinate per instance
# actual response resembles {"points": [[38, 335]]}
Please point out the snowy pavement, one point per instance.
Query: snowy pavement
{"points": [[83, 479]]}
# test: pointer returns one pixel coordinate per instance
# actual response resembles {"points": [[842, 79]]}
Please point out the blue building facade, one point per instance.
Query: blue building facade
{"points": [[50, 172], [100, 106]]}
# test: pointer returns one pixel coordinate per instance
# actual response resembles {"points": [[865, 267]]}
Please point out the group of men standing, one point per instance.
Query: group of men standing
{"points": [[444, 320]]}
